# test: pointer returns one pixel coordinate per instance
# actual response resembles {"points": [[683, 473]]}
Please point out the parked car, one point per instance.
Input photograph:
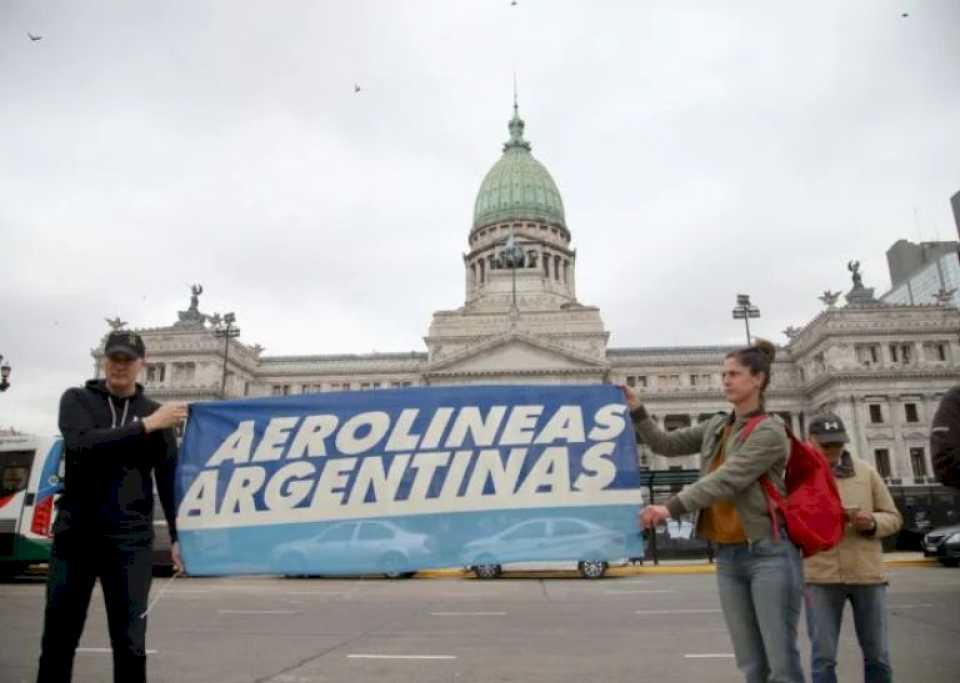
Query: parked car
{"points": [[943, 543], [550, 539]]}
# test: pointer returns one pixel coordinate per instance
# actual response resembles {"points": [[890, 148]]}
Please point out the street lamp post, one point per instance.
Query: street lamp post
{"points": [[224, 327], [745, 310], [4, 374]]}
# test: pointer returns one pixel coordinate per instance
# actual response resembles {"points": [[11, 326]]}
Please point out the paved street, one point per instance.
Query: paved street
{"points": [[652, 627]]}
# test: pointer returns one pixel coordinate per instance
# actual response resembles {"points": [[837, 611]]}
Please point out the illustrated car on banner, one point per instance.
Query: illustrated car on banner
{"points": [[550, 538], [397, 552]]}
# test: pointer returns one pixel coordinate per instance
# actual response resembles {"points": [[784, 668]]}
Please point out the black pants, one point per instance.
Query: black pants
{"points": [[124, 567]]}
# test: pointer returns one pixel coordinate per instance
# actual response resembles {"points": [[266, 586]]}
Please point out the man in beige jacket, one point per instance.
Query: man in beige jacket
{"points": [[853, 570]]}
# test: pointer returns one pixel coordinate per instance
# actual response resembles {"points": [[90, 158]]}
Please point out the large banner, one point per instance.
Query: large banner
{"points": [[404, 479]]}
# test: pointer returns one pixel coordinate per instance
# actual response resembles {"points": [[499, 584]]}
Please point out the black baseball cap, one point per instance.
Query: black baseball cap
{"points": [[828, 428], [129, 344]]}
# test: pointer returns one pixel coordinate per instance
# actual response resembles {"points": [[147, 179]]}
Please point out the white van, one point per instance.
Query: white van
{"points": [[31, 475]]}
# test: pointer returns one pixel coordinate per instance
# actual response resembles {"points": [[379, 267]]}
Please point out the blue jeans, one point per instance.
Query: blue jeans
{"points": [[761, 590], [824, 603]]}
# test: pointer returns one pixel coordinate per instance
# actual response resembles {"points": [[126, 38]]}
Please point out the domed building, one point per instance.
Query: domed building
{"points": [[881, 367], [520, 320]]}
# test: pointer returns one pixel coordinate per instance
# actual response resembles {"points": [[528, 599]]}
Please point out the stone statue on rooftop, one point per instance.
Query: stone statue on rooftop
{"points": [[195, 292], [854, 268], [192, 317]]}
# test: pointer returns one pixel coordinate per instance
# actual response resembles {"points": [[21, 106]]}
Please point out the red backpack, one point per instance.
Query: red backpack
{"points": [[812, 508]]}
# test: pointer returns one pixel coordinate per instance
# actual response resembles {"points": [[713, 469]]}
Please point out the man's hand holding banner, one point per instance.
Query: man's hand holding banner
{"points": [[406, 479]]}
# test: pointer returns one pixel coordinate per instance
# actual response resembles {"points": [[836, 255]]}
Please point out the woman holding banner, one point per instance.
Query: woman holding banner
{"points": [[759, 572]]}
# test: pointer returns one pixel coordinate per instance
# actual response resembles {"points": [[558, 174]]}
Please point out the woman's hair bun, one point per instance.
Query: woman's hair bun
{"points": [[766, 348]]}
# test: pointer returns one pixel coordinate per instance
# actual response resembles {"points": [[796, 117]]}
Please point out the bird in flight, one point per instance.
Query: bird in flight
{"points": [[33, 37], [513, 3], [356, 87], [904, 15]]}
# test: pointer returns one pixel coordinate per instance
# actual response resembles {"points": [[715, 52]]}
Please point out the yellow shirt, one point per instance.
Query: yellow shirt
{"points": [[720, 522]]}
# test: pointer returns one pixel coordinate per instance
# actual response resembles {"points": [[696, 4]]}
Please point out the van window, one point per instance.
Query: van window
{"points": [[14, 471]]}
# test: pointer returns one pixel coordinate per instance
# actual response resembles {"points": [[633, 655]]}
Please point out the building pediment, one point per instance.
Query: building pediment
{"points": [[516, 353]]}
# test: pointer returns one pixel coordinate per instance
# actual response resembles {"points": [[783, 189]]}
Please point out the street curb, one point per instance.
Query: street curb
{"points": [[633, 571]]}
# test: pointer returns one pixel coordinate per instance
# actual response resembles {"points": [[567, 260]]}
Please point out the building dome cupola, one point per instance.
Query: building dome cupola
{"points": [[518, 187]]}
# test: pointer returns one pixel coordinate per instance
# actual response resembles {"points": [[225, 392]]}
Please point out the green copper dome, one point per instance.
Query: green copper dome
{"points": [[518, 187]]}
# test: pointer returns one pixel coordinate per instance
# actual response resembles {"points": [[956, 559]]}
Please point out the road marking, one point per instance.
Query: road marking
{"points": [[401, 657], [711, 655], [104, 650], [468, 614], [257, 611], [678, 611], [641, 591]]}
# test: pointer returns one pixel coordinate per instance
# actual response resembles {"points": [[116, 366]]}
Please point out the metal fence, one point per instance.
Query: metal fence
{"points": [[923, 508]]}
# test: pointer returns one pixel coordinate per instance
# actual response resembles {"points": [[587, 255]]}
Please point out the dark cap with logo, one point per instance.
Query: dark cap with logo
{"points": [[828, 428], [124, 343]]}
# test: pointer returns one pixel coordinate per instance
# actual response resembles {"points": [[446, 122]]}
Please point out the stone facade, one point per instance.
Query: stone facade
{"points": [[882, 368]]}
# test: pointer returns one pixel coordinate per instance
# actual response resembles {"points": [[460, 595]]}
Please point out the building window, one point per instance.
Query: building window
{"points": [[184, 372], [631, 381], [281, 389], [641, 381], [156, 372], [935, 351], [693, 380], [364, 385], [918, 462], [668, 380], [408, 384], [876, 414], [900, 353], [882, 458], [910, 410], [376, 385], [868, 354]]}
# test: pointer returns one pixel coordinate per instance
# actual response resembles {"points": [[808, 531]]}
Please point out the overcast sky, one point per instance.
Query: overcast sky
{"points": [[701, 148]]}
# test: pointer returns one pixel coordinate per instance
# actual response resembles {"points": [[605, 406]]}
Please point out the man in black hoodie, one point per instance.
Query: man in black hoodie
{"points": [[115, 439], [945, 439]]}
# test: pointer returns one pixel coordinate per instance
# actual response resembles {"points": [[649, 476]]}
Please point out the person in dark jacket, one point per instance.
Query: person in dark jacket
{"points": [[945, 439], [115, 440]]}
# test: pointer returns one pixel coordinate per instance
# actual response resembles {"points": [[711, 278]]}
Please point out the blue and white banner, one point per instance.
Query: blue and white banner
{"points": [[404, 479]]}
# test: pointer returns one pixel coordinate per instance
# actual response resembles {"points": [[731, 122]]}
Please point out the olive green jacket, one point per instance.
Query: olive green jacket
{"points": [[764, 451]]}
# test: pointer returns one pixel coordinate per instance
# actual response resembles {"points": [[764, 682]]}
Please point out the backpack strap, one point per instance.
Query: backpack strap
{"points": [[750, 426]]}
